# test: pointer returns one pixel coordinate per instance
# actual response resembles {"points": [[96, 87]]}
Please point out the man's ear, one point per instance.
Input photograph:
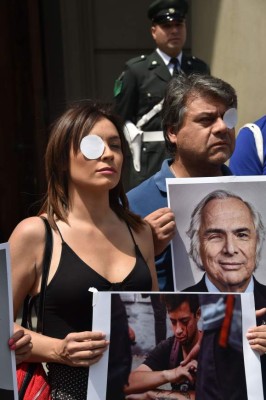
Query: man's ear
{"points": [[198, 313], [171, 134], [153, 32]]}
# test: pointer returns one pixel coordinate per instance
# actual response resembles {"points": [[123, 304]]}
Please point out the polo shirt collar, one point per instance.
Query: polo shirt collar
{"points": [[165, 172]]}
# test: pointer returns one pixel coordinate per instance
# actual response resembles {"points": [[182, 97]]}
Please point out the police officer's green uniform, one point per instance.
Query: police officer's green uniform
{"points": [[141, 86]]}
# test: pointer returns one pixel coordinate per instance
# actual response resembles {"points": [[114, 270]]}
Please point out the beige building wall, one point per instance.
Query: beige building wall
{"points": [[230, 35]]}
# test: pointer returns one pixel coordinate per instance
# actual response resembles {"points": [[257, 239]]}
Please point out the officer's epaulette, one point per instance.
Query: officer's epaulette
{"points": [[194, 59], [136, 59]]}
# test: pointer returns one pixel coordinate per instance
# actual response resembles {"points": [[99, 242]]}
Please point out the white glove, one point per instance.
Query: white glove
{"points": [[133, 136]]}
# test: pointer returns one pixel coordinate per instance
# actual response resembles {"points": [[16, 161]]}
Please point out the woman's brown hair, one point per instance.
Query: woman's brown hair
{"points": [[67, 131]]}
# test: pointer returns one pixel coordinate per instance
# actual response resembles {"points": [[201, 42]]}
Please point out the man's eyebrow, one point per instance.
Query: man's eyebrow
{"points": [[207, 114], [244, 229], [173, 320], [179, 319], [219, 230], [213, 230]]}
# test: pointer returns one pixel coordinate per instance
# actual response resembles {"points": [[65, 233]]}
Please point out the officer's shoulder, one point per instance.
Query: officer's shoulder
{"points": [[197, 62], [136, 60]]}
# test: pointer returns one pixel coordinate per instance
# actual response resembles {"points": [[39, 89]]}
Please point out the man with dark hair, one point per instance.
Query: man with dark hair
{"points": [[198, 118], [173, 301], [140, 89], [164, 363]]}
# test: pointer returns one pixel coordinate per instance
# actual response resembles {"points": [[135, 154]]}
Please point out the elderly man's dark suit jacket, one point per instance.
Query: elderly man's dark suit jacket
{"points": [[260, 302]]}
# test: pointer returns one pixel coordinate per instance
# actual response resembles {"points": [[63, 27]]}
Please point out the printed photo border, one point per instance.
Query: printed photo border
{"points": [[102, 307], [8, 377]]}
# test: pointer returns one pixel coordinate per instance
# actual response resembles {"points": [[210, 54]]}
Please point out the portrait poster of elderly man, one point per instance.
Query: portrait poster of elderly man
{"points": [[191, 200], [219, 242]]}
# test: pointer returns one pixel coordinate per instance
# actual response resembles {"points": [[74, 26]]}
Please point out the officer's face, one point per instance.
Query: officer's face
{"points": [[184, 324], [228, 244], [170, 37], [203, 142]]}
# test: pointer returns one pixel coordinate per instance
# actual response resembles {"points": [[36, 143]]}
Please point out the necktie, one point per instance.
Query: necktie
{"points": [[226, 325], [175, 63]]}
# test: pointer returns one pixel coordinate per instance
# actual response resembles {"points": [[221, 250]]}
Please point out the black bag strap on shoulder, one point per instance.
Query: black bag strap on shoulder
{"points": [[28, 303], [45, 272]]}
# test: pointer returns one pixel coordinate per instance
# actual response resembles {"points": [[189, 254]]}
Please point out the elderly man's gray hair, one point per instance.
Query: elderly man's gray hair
{"points": [[196, 220]]}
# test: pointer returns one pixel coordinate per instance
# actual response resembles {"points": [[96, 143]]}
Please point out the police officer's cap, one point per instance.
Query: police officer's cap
{"points": [[161, 11]]}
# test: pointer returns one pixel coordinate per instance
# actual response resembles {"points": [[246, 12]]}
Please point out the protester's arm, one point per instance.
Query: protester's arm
{"points": [[161, 394], [143, 378], [162, 223]]}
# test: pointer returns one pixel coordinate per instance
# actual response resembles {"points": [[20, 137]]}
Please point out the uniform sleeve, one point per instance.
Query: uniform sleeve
{"points": [[244, 160], [126, 95]]}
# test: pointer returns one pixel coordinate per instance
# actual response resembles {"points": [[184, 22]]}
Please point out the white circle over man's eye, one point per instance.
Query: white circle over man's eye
{"points": [[92, 147], [230, 117]]}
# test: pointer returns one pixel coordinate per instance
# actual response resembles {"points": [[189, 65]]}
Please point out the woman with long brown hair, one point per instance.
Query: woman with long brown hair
{"points": [[97, 242]]}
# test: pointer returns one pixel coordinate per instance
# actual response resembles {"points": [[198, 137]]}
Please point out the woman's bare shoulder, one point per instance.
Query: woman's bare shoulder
{"points": [[29, 229]]}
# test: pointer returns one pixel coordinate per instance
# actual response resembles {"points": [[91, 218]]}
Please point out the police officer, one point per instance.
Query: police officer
{"points": [[140, 89]]}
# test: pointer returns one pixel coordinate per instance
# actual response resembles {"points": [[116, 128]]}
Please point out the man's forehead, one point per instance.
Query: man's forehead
{"points": [[223, 209], [183, 307], [200, 104]]}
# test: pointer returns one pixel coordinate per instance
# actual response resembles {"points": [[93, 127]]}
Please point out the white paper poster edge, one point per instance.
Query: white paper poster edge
{"points": [[251, 358], [5, 247], [97, 381]]}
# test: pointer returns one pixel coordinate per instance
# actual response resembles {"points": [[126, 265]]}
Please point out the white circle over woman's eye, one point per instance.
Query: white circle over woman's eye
{"points": [[92, 147], [230, 117]]}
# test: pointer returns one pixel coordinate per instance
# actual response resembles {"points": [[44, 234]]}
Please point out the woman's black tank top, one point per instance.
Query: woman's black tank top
{"points": [[68, 301]]}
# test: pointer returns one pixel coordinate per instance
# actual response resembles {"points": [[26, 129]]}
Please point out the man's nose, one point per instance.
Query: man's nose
{"points": [[230, 246], [220, 126], [178, 329]]}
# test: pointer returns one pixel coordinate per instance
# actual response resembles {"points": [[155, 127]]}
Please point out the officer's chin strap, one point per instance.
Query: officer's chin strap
{"points": [[133, 134]]}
